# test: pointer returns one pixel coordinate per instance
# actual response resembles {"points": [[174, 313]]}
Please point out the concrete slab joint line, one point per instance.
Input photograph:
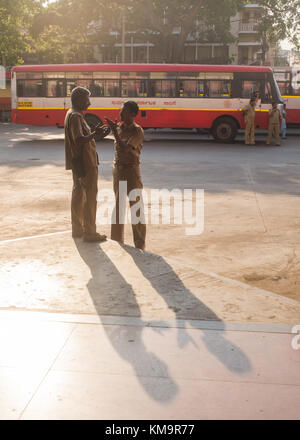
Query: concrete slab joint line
{"points": [[32, 237], [251, 180], [47, 372], [101, 320]]}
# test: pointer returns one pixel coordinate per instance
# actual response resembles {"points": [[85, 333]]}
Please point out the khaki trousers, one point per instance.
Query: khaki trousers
{"points": [[132, 176], [274, 129], [249, 132], [84, 202]]}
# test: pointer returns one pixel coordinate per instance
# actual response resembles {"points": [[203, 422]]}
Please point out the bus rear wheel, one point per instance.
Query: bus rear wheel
{"points": [[224, 129], [93, 121]]}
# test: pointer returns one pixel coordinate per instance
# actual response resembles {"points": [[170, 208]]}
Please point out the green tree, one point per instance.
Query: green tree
{"points": [[170, 23], [15, 20], [67, 30], [280, 20], [165, 23]]}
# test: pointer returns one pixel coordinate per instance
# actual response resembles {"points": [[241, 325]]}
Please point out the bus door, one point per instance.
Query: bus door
{"points": [[247, 86]]}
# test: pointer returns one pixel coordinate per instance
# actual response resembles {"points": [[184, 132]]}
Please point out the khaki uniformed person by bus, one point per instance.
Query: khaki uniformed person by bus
{"points": [[274, 124], [249, 118], [128, 144], [80, 143]]}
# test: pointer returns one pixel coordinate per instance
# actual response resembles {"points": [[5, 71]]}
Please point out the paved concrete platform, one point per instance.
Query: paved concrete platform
{"points": [[57, 366], [105, 331], [55, 273]]}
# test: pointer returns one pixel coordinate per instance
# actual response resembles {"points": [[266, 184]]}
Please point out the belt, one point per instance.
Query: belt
{"points": [[126, 166]]}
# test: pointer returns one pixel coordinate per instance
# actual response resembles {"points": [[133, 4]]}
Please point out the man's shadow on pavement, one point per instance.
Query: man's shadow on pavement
{"points": [[110, 292], [186, 304]]}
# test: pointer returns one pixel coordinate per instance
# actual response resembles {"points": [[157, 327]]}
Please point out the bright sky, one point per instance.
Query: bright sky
{"points": [[48, 1], [286, 45]]}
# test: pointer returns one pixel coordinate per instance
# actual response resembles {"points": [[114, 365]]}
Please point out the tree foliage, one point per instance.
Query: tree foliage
{"points": [[68, 30], [170, 23], [280, 20], [15, 20]]}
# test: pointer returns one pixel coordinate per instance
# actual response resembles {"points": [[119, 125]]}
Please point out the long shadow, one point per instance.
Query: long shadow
{"points": [[110, 292], [187, 309], [111, 295]]}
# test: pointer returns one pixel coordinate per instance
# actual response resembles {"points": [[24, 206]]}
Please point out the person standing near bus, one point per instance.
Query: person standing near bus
{"points": [[82, 159], [283, 122], [249, 118], [274, 124], [128, 144]]}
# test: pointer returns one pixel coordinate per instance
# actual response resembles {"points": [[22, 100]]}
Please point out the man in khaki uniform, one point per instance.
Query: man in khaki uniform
{"points": [[128, 144], [80, 143], [274, 124], [249, 118]]}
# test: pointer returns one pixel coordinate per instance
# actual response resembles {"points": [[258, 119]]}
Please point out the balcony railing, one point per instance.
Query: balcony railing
{"points": [[248, 27]]}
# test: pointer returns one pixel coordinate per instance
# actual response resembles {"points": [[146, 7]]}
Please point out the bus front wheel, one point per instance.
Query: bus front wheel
{"points": [[224, 129], [93, 121]]}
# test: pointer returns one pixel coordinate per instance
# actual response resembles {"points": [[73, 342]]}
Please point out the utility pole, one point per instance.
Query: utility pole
{"points": [[131, 49], [123, 36]]}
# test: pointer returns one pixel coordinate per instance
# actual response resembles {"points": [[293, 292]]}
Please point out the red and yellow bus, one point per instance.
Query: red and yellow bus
{"points": [[169, 96], [288, 80]]}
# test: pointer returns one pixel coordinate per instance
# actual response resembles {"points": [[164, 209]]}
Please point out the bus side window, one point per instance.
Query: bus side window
{"points": [[72, 83], [296, 89], [128, 88], [218, 88], [141, 86], [70, 86], [282, 87], [201, 89], [163, 88], [268, 92], [250, 88], [20, 87], [112, 88], [97, 88], [134, 88], [55, 88], [187, 88], [30, 88], [168, 88], [295, 86]]}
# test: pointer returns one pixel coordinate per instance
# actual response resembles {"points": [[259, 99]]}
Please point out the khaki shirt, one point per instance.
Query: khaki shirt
{"points": [[274, 116], [249, 113], [75, 127], [133, 135]]}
